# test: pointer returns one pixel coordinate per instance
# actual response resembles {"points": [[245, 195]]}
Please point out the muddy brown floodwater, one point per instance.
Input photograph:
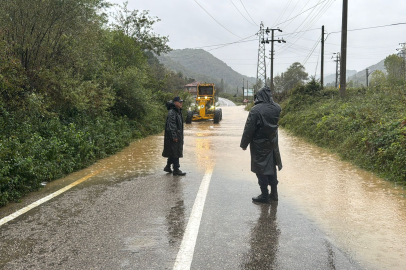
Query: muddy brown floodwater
{"points": [[361, 213]]}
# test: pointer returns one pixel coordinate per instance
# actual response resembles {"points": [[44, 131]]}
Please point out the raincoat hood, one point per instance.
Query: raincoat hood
{"points": [[264, 95], [170, 105]]}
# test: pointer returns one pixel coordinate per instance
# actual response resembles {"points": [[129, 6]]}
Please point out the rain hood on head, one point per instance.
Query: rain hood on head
{"points": [[264, 95], [170, 105]]}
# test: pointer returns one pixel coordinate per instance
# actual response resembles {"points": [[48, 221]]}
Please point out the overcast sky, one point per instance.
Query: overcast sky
{"points": [[203, 23]]}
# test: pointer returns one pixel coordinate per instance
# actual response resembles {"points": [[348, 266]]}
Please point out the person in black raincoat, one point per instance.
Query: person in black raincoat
{"points": [[173, 141], [261, 133]]}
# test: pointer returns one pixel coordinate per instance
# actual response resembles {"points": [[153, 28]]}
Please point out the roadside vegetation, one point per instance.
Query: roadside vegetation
{"points": [[367, 127], [75, 87]]}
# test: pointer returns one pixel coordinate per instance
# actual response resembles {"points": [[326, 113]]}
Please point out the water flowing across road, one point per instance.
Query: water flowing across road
{"points": [[126, 213], [225, 102], [362, 213]]}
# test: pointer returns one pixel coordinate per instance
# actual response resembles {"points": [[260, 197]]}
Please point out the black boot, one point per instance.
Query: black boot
{"points": [[263, 198], [178, 172], [274, 193], [168, 169]]}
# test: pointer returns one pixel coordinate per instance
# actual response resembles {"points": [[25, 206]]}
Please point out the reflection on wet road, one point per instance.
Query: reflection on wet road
{"points": [[132, 215], [264, 240]]}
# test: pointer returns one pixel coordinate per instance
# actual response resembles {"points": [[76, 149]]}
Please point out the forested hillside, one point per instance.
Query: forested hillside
{"points": [[203, 66], [75, 88]]}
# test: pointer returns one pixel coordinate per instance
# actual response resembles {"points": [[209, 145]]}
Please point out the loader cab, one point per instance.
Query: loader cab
{"points": [[205, 90]]}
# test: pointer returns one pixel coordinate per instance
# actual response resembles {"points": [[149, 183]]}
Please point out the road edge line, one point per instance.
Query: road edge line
{"points": [[45, 199]]}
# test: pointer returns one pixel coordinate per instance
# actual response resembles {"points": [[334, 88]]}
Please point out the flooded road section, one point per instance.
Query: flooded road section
{"points": [[360, 212], [128, 214]]}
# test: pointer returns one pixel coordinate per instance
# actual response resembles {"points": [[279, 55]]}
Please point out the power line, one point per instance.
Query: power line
{"points": [[284, 26], [244, 40], [240, 12], [248, 13], [308, 56], [216, 20], [372, 27], [283, 12], [300, 13], [230, 43], [313, 19]]}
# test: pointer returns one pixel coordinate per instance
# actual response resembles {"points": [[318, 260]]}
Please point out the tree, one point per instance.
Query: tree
{"points": [[279, 83], [139, 26], [395, 66], [378, 79], [43, 32], [294, 75]]}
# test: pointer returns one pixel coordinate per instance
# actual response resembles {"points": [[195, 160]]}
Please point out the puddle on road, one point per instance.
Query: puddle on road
{"points": [[361, 212]]}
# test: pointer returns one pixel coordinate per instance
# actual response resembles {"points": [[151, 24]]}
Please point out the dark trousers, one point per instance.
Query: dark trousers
{"points": [[265, 180], [174, 161]]}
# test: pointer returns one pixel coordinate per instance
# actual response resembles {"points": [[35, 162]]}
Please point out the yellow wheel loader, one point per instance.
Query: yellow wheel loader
{"points": [[205, 106]]}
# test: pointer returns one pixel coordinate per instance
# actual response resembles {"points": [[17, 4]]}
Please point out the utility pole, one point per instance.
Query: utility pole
{"points": [[402, 54], [247, 90], [337, 71], [243, 89], [322, 58], [367, 76], [343, 62], [261, 66], [368, 73], [272, 51]]}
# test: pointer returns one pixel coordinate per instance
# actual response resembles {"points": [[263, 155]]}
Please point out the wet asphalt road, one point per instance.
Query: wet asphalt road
{"points": [[132, 215]]}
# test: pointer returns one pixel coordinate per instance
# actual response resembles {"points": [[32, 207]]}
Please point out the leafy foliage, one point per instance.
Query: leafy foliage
{"points": [[367, 128], [295, 75], [395, 66], [73, 89], [138, 26]]}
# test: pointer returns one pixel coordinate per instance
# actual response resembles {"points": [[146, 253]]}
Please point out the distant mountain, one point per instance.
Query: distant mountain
{"points": [[204, 67], [330, 79]]}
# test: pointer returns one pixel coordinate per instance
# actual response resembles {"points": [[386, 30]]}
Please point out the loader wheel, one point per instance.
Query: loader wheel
{"points": [[189, 117], [217, 116], [221, 114]]}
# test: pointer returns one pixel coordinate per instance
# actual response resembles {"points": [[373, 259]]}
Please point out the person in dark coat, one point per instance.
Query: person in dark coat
{"points": [[261, 133], [173, 141]]}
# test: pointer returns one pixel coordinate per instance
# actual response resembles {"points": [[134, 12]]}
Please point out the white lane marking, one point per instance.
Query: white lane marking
{"points": [[187, 247], [45, 199]]}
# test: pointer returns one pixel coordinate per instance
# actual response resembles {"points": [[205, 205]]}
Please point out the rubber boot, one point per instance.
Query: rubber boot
{"points": [[168, 169], [263, 197], [274, 193], [178, 172]]}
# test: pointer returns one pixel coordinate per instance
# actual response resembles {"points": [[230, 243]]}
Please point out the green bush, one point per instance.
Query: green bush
{"points": [[368, 127]]}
